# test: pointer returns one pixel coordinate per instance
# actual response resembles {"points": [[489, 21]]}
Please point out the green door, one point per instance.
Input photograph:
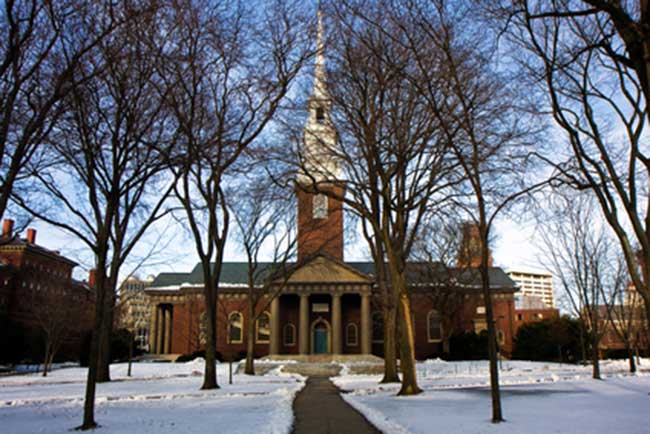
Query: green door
{"points": [[320, 339]]}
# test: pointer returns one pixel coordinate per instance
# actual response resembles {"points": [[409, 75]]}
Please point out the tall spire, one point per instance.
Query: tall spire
{"points": [[320, 74], [319, 133]]}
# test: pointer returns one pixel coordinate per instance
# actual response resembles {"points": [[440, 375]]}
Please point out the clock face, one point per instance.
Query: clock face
{"points": [[320, 206]]}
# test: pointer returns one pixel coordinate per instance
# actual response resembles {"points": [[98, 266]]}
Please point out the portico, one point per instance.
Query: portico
{"points": [[330, 302]]}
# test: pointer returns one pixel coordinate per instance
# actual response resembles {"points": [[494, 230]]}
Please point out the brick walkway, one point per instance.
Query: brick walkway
{"points": [[319, 409]]}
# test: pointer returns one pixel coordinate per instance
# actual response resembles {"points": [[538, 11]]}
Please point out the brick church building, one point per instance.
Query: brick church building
{"points": [[328, 305]]}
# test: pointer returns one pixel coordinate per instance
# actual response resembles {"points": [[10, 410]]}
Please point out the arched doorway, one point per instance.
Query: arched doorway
{"points": [[321, 342]]}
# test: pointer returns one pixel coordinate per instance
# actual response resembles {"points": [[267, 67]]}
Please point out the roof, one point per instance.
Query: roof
{"points": [[528, 270], [17, 243], [235, 274]]}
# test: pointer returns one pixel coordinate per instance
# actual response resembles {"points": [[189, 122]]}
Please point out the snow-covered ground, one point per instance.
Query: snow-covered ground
{"points": [[158, 398], [538, 398]]}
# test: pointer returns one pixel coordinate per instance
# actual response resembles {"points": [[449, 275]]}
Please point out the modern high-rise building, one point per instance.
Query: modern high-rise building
{"points": [[535, 287]]}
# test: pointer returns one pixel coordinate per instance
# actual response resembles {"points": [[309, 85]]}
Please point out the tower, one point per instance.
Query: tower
{"points": [[320, 211]]}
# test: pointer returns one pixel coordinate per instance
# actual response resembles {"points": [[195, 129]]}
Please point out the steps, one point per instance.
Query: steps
{"points": [[322, 365]]}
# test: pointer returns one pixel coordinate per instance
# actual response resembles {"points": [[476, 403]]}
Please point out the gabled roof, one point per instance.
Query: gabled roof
{"points": [[437, 274], [234, 274]]}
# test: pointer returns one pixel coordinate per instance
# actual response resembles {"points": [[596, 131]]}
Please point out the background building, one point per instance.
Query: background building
{"points": [[37, 296], [535, 288], [135, 309]]}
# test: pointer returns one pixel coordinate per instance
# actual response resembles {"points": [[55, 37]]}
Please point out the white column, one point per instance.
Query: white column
{"points": [[337, 343], [365, 324], [274, 345], [153, 330], [168, 329], [159, 330], [303, 333]]}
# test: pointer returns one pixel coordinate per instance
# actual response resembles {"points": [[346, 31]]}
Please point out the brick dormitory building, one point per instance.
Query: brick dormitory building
{"points": [[38, 294], [328, 306]]}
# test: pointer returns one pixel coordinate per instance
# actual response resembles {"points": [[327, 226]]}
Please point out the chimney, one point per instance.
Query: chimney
{"points": [[92, 277], [31, 236], [7, 227]]}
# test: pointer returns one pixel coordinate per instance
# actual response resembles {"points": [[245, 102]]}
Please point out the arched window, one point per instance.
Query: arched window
{"points": [[351, 335], [320, 206], [263, 329], [289, 335], [235, 328], [434, 326], [377, 327]]}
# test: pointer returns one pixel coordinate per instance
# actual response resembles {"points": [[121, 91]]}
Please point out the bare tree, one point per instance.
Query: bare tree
{"points": [[590, 62], [41, 50], [580, 253], [623, 310], [52, 313], [263, 222], [439, 268], [229, 68], [485, 124], [110, 140]]}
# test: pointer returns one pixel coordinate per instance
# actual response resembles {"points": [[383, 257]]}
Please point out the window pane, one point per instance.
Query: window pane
{"points": [[263, 328], [235, 333], [289, 335]]}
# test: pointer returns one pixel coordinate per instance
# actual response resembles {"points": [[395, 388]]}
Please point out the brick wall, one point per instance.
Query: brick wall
{"points": [[320, 235]]}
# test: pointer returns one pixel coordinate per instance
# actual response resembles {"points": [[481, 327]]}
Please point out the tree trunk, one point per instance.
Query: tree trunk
{"points": [[249, 368], [390, 346], [128, 373], [210, 375], [595, 359], [406, 347], [89, 400], [497, 414], [630, 355], [47, 357], [103, 370]]}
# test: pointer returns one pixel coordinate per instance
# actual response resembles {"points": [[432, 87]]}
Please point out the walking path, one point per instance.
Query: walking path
{"points": [[319, 409]]}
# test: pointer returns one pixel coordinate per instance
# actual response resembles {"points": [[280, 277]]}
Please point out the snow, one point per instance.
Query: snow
{"points": [[159, 398], [537, 398]]}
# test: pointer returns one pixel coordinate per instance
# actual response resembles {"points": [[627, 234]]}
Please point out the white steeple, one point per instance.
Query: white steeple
{"points": [[319, 133], [320, 73]]}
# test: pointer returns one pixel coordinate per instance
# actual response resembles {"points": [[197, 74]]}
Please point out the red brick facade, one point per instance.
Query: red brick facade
{"points": [[186, 323], [35, 285], [320, 235]]}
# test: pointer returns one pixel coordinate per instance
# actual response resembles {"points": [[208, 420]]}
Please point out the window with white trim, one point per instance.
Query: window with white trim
{"points": [[235, 328], [263, 329]]}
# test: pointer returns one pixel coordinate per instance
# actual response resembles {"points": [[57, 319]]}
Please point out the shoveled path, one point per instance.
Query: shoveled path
{"points": [[319, 409]]}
